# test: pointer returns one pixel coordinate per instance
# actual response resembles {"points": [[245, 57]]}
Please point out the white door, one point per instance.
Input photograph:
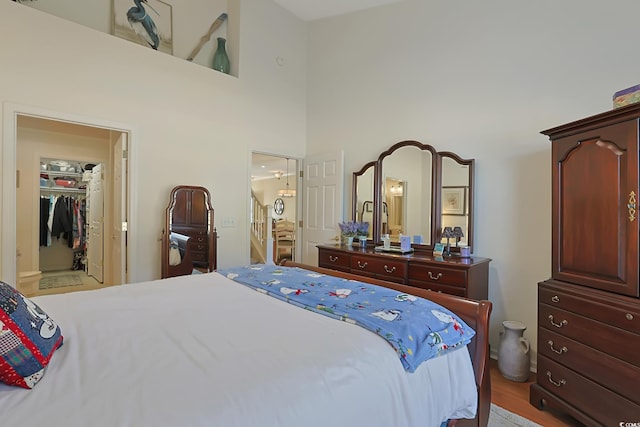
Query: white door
{"points": [[95, 244], [322, 188], [119, 233]]}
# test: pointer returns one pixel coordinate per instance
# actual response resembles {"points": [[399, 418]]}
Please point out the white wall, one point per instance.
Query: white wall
{"points": [[193, 125], [480, 79]]}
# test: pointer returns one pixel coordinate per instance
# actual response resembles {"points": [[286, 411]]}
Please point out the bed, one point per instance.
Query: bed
{"points": [[205, 350]]}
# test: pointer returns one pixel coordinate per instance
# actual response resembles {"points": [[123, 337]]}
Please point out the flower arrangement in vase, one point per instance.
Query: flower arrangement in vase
{"points": [[348, 231], [363, 233], [362, 230], [351, 229]]}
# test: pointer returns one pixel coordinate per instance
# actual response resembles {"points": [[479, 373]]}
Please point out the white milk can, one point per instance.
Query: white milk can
{"points": [[513, 354]]}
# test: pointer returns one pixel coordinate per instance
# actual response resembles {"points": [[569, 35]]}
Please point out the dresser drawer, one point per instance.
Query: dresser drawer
{"points": [[197, 246], [335, 260], [198, 250], [600, 336], [199, 238], [600, 403], [607, 371], [199, 256], [593, 304], [386, 269], [451, 290], [436, 275]]}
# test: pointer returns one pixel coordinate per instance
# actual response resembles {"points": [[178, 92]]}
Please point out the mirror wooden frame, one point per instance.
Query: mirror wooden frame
{"points": [[436, 192], [470, 163], [354, 190]]}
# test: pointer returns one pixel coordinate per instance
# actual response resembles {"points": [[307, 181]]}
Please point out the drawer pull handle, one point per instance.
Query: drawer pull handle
{"points": [[389, 270], [629, 316], [563, 349], [557, 325], [555, 383], [362, 265], [333, 258], [436, 277], [555, 298]]}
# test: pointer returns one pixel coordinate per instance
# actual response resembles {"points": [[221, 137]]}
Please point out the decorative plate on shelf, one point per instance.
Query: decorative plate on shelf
{"points": [[278, 206]]}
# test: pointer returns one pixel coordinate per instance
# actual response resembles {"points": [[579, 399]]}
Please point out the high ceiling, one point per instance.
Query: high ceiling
{"points": [[264, 166], [309, 10]]}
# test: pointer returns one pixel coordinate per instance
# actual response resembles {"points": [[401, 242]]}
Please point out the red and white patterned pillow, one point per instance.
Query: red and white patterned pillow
{"points": [[28, 338]]}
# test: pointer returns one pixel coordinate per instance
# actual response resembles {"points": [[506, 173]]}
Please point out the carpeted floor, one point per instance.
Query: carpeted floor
{"points": [[499, 417], [60, 281]]}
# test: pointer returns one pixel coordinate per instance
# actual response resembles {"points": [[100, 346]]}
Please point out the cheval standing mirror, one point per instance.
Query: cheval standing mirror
{"points": [[189, 225]]}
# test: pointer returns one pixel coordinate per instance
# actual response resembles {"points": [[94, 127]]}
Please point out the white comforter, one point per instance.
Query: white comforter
{"points": [[203, 350]]}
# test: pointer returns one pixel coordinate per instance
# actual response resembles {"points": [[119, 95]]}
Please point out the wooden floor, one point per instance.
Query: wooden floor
{"points": [[514, 397]]}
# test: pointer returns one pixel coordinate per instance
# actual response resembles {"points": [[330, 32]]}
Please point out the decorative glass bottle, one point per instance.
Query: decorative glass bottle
{"points": [[220, 59]]}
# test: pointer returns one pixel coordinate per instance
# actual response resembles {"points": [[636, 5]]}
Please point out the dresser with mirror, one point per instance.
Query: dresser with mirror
{"points": [[414, 190]]}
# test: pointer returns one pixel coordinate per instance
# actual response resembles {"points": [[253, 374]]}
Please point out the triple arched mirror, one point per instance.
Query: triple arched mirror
{"points": [[413, 189]]}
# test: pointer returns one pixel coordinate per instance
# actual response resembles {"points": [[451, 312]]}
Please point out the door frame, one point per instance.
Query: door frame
{"points": [[11, 111]]}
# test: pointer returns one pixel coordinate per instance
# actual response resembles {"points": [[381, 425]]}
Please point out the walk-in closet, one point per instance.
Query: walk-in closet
{"points": [[67, 189]]}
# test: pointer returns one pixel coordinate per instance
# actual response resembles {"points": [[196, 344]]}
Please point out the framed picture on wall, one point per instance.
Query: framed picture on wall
{"points": [[146, 22], [454, 200]]}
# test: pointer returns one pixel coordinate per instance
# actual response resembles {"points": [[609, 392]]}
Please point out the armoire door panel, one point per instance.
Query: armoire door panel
{"points": [[597, 242], [199, 214], [179, 215]]}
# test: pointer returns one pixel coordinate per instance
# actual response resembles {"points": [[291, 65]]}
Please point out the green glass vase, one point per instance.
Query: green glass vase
{"points": [[220, 58]]}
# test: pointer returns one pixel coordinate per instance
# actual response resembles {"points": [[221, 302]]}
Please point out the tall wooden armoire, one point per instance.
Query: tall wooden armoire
{"points": [[589, 311]]}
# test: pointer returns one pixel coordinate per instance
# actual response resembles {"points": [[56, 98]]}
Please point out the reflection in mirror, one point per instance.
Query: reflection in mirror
{"points": [[407, 172], [395, 196], [456, 198], [363, 195]]}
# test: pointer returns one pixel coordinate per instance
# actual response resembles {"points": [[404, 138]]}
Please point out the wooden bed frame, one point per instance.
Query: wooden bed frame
{"points": [[475, 313]]}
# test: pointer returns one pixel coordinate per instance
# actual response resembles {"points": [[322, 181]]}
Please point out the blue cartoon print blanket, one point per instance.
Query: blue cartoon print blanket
{"points": [[418, 329]]}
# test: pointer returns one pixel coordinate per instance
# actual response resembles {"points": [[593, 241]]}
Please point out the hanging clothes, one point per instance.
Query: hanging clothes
{"points": [[61, 220], [63, 217], [45, 236]]}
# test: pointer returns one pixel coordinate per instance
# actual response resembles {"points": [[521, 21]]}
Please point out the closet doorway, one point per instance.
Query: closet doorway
{"points": [[95, 251]]}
